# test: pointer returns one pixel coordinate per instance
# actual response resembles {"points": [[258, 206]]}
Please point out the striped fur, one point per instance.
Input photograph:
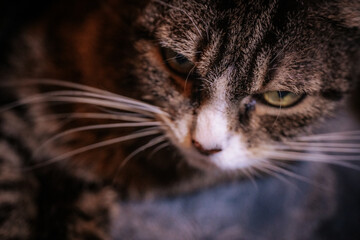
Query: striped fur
{"points": [[91, 113]]}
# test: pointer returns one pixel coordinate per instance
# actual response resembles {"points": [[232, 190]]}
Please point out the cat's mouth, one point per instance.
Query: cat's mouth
{"points": [[228, 155], [233, 157]]}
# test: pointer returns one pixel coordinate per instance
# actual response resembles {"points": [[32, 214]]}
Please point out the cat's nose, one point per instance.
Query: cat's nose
{"points": [[203, 150]]}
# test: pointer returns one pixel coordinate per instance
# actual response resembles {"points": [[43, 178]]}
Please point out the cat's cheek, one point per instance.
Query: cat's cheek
{"points": [[179, 132]]}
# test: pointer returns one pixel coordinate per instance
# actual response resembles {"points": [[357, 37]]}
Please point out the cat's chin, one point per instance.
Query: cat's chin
{"points": [[220, 162]]}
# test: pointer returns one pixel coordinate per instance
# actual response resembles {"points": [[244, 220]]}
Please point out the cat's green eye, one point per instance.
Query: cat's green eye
{"points": [[281, 98], [178, 63]]}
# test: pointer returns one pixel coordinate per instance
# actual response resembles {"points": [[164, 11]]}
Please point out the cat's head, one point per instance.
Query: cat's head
{"points": [[237, 77]]}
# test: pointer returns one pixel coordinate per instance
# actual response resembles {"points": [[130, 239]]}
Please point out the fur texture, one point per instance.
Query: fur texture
{"points": [[94, 114]]}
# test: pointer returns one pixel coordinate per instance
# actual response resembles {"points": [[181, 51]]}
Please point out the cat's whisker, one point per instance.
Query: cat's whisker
{"points": [[323, 144], [56, 82], [151, 143], [308, 156], [327, 149], [340, 160], [88, 115], [85, 91], [94, 146], [121, 113], [250, 175], [90, 101], [291, 174], [271, 172], [117, 99], [328, 138], [277, 167], [158, 148], [188, 75], [277, 116], [93, 127], [352, 132], [281, 51]]}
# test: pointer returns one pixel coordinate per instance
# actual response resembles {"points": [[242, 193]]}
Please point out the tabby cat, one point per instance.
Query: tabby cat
{"points": [[108, 106]]}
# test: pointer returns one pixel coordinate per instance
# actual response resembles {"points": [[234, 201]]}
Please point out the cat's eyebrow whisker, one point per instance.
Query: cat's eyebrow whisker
{"points": [[281, 51], [188, 75], [277, 116], [93, 127], [94, 146], [181, 10]]}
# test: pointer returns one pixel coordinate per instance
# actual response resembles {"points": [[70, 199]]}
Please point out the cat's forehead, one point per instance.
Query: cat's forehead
{"points": [[250, 42]]}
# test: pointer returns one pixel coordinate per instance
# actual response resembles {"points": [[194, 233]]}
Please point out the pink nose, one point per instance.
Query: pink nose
{"points": [[203, 150]]}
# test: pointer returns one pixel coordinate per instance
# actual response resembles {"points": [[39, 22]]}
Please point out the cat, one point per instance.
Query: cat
{"points": [[117, 101]]}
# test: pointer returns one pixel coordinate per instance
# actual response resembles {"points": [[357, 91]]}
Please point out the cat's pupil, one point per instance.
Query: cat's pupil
{"points": [[181, 59], [283, 94]]}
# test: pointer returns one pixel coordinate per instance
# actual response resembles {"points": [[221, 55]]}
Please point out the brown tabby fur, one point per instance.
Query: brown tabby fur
{"points": [[305, 47]]}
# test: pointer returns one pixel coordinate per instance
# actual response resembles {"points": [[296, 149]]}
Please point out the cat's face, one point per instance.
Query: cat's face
{"points": [[236, 77]]}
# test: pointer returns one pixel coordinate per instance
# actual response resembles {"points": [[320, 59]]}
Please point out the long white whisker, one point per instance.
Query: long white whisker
{"points": [[306, 157], [329, 138], [93, 127], [323, 144], [158, 148], [320, 149], [345, 136], [158, 128], [88, 115], [301, 178], [95, 146], [350, 132], [59, 83], [90, 101], [142, 148], [294, 175], [249, 174], [89, 98], [151, 143], [116, 98], [271, 172]]}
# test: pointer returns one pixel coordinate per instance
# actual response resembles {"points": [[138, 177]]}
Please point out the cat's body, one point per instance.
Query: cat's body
{"points": [[208, 71]]}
